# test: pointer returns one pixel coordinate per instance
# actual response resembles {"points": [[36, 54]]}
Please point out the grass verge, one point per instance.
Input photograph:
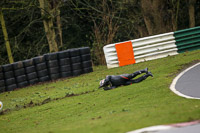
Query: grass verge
{"points": [[77, 105]]}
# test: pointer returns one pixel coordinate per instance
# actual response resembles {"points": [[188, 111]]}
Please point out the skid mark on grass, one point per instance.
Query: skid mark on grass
{"points": [[45, 101]]}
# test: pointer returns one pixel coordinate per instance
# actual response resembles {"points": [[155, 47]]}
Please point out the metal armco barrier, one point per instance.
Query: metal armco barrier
{"points": [[188, 39], [51, 66], [152, 47]]}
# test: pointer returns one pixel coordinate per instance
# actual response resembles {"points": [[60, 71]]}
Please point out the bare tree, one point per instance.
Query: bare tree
{"points": [[191, 10], [49, 11], [3, 25], [175, 13], [105, 28], [156, 17]]}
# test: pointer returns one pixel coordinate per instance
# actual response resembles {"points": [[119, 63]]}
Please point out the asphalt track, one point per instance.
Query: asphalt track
{"points": [[187, 129], [187, 83]]}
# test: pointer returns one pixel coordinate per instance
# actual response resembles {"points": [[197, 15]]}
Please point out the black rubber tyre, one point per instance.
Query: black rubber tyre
{"points": [[2, 89], [11, 87], [77, 72], [2, 83], [41, 66], [10, 81], [28, 62], [54, 70], [33, 81], [76, 66], [18, 65], [1, 76], [19, 72], [64, 61], [1, 69], [63, 54], [86, 57], [50, 56], [66, 68], [87, 70], [21, 78], [9, 74], [22, 84], [74, 52], [39, 59], [65, 74], [42, 73], [30, 69], [52, 63], [87, 64], [84, 50], [54, 76], [76, 59], [43, 79], [32, 75], [7, 67]]}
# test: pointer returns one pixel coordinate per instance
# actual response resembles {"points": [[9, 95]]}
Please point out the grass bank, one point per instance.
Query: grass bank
{"points": [[77, 105]]}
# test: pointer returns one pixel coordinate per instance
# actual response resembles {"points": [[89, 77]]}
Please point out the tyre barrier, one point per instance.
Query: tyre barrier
{"points": [[9, 79], [65, 64], [41, 68], [30, 70], [76, 62], [2, 82], [20, 76], [86, 60], [50, 66]]}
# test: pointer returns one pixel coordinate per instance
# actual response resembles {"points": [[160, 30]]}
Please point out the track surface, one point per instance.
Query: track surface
{"points": [[187, 83], [187, 129]]}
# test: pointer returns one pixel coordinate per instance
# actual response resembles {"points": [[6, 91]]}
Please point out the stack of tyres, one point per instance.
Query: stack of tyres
{"points": [[2, 82], [9, 77], [41, 68], [20, 75], [52, 64], [30, 70], [64, 64], [86, 59], [76, 62]]}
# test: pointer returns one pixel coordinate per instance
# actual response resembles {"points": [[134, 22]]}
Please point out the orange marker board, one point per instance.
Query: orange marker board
{"points": [[125, 53]]}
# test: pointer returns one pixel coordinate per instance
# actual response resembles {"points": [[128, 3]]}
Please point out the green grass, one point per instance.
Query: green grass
{"points": [[77, 105]]}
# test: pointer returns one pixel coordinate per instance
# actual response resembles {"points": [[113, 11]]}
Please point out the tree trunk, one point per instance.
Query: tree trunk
{"points": [[146, 11], [105, 29], [10, 57], [177, 12], [155, 16], [191, 13], [56, 9], [142, 31], [48, 25], [59, 28]]}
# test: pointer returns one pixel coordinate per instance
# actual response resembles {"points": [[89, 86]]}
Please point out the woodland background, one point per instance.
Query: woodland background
{"points": [[36, 27]]}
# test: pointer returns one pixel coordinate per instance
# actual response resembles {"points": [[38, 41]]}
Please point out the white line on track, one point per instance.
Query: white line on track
{"points": [[172, 86]]}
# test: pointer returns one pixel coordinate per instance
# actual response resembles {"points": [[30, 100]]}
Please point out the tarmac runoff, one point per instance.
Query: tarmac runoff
{"points": [[187, 83]]}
